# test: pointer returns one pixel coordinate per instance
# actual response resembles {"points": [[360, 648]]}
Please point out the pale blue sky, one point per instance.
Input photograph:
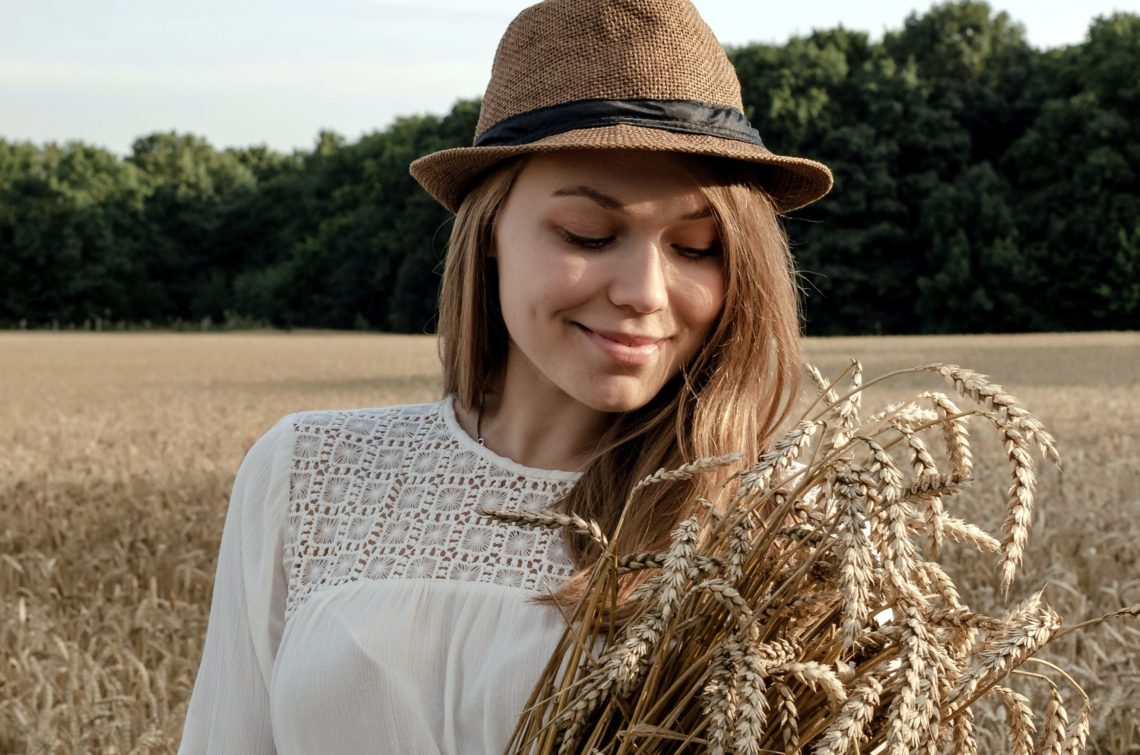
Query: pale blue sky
{"points": [[254, 71]]}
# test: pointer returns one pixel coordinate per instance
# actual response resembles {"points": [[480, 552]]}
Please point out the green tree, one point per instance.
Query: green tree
{"points": [[188, 183], [68, 227], [367, 252], [979, 279], [1076, 170], [875, 122], [976, 179]]}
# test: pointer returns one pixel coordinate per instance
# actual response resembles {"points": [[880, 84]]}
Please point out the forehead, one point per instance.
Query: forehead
{"points": [[632, 178]]}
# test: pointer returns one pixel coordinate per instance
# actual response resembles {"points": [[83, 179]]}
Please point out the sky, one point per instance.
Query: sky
{"points": [[276, 72]]}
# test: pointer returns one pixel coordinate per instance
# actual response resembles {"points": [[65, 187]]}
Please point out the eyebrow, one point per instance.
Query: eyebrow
{"points": [[610, 203]]}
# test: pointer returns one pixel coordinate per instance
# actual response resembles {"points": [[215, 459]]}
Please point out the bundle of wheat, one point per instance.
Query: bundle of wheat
{"points": [[800, 613]]}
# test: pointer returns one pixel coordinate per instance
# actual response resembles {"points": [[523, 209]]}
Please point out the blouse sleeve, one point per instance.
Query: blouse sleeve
{"points": [[229, 708]]}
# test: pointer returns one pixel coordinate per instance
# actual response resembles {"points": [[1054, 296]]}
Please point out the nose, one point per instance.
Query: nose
{"points": [[640, 279]]}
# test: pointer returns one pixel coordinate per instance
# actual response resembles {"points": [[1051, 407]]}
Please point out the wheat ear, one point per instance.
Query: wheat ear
{"points": [[548, 519]]}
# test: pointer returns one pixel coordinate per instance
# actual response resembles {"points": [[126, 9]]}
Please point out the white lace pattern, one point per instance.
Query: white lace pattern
{"points": [[391, 493]]}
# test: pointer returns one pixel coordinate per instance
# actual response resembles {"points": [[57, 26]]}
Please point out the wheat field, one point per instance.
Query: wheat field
{"points": [[119, 449]]}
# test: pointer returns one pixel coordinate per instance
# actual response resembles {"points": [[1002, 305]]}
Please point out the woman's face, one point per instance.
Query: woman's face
{"points": [[610, 276]]}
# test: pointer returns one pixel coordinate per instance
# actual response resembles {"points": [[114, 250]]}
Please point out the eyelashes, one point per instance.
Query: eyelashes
{"points": [[698, 254], [600, 242], [586, 242]]}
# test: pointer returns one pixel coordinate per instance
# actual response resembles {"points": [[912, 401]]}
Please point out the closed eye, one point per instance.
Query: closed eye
{"points": [[696, 253], [586, 242]]}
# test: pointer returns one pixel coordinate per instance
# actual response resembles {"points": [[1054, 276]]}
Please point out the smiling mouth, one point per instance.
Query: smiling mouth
{"points": [[628, 349], [625, 339]]}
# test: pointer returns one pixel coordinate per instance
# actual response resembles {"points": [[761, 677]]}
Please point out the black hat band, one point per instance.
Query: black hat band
{"points": [[684, 116]]}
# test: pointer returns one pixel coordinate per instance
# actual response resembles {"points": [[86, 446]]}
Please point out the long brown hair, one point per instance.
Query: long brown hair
{"points": [[731, 397]]}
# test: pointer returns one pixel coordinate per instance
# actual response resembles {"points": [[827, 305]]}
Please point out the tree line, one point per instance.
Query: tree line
{"points": [[982, 184]]}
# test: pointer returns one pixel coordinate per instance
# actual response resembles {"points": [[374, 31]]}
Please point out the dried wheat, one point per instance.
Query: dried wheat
{"points": [[849, 729], [686, 471], [1019, 717], [546, 518]]}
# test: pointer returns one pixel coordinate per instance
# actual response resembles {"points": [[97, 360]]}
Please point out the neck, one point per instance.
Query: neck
{"points": [[537, 425]]}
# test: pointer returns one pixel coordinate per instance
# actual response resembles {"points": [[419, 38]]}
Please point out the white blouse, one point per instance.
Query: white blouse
{"points": [[362, 606]]}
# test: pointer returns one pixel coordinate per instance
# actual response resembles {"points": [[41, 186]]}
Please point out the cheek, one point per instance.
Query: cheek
{"points": [[538, 276], [514, 259], [702, 297], [535, 281]]}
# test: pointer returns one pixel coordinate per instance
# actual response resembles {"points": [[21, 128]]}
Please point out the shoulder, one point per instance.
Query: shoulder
{"points": [[321, 426]]}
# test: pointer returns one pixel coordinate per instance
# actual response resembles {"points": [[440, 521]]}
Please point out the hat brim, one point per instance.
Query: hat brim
{"points": [[792, 182]]}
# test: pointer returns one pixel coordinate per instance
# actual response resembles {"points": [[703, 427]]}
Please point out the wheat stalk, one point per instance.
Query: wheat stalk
{"points": [[545, 518], [849, 729], [686, 471], [754, 632]]}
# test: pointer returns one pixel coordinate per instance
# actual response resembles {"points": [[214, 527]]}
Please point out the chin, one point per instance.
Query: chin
{"points": [[617, 407], [617, 401]]}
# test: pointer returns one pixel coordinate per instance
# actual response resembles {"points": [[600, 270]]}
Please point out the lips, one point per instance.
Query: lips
{"points": [[627, 339], [628, 349]]}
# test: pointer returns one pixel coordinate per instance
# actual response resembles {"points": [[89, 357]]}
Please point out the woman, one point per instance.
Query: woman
{"points": [[617, 298]]}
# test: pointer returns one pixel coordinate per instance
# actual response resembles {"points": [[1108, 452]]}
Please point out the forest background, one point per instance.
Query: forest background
{"points": [[982, 184]]}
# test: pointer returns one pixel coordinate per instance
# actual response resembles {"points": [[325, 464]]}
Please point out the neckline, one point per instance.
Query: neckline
{"points": [[447, 411]]}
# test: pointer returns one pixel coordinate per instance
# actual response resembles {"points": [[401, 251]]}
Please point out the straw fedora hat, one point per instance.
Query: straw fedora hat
{"points": [[615, 74]]}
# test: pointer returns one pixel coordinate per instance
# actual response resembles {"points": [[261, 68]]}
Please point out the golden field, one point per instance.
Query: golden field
{"points": [[119, 449]]}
